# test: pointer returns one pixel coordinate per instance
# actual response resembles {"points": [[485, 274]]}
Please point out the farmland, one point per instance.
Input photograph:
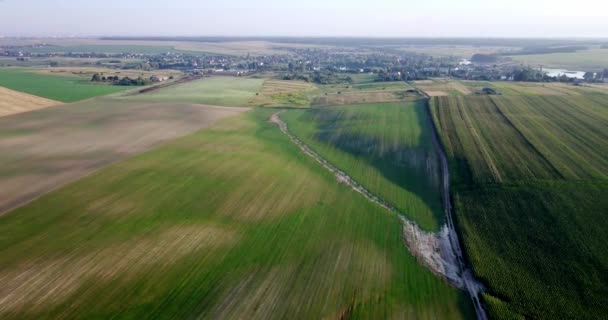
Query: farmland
{"points": [[585, 60], [363, 97], [88, 72], [60, 88], [386, 147], [269, 92], [12, 102], [231, 48], [42, 150], [442, 87], [453, 88], [528, 175], [281, 93], [221, 91], [107, 48], [63, 61], [535, 88], [460, 51], [229, 222], [363, 90], [310, 186]]}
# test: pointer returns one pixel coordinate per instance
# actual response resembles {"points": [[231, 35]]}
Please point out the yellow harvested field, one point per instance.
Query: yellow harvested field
{"points": [[284, 86], [273, 92], [13, 102], [596, 87], [436, 93], [442, 87], [347, 98]]}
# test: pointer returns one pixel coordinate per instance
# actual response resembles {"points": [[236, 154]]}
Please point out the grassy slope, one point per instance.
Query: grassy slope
{"points": [[221, 91], [536, 236], [60, 88], [231, 222], [386, 147]]}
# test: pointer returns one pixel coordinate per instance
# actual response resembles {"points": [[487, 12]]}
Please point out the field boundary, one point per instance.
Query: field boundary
{"points": [[482, 148], [473, 286], [165, 85], [526, 141]]}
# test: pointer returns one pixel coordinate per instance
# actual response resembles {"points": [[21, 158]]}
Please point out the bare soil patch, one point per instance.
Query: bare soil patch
{"points": [[436, 93], [13, 102], [46, 149], [442, 87]]}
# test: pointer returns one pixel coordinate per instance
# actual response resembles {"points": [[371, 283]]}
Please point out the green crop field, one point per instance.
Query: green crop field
{"points": [[60, 88], [221, 91], [231, 222], [529, 176], [385, 147]]}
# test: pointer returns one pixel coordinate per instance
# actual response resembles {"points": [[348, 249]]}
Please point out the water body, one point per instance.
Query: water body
{"points": [[559, 72]]}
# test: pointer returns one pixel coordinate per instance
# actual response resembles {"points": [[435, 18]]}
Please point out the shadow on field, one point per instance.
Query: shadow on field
{"points": [[415, 169]]}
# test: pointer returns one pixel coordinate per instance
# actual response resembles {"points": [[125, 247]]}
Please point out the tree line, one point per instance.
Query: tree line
{"points": [[124, 81]]}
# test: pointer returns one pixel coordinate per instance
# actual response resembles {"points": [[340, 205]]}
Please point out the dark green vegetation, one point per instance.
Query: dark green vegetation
{"points": [[529, 176], [60, 88], [385, 147], [231, 222]]}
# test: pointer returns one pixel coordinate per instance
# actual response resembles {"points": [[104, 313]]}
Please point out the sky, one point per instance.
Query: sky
{"points": [[370, 18]]}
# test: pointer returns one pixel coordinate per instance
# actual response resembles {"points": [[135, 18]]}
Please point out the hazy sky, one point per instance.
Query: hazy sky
{"points": [[378, 18]]}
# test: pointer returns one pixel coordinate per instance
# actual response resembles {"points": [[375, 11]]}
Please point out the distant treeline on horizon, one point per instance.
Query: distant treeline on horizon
{"points": [[350, 41]]}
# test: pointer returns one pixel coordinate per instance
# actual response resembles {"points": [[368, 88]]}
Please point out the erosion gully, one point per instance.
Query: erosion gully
{"points": [[440, 252]]}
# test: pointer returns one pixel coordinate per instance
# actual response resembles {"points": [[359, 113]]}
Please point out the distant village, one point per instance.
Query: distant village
{"points": [[323, 65]]}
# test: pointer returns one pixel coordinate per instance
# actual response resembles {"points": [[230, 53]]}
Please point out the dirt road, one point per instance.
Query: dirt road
{"points": [[472, 285]]}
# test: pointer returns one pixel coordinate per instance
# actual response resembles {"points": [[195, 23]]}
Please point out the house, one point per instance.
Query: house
{"points": [[156, 78]]}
